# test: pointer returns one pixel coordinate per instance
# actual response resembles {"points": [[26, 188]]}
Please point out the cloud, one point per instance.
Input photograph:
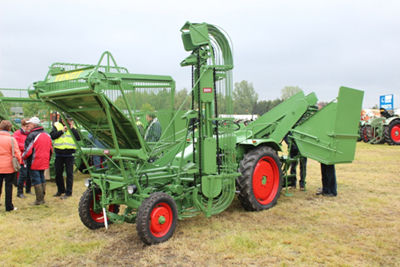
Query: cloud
{"points": [[317, 45]]}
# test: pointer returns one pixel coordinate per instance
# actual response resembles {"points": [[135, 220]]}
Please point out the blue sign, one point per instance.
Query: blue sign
{"points": [[386, 102]]}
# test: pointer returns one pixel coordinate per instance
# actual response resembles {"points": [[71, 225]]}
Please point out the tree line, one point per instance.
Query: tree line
{"points": [[245, 100]]}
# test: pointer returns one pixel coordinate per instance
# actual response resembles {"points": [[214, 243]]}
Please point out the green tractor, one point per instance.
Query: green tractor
{"points": [[201, 158], [382, 129]]}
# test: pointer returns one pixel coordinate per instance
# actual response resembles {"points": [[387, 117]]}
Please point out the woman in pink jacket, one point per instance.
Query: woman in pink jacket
{"points": [[7, 171]]}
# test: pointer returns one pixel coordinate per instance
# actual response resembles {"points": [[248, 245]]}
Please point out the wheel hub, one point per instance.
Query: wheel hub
{"points": [[161, 218], [264, 180]]}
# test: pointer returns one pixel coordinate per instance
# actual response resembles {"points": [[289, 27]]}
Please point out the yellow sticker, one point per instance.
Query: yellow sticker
{"points": [[68, 76]]}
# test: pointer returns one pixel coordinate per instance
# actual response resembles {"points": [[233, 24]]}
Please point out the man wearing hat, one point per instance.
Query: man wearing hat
{"points": [[38, 150], [153, 130], [64, 147]]}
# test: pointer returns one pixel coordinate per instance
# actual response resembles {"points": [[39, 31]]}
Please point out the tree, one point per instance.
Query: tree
{"points": [[33, 109], [289, 91], [244, 98], [265, 105], [147, 108], [181, 97]]}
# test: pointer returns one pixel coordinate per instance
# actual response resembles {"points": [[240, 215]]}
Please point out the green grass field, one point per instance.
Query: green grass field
{"points": [[360, 227]]}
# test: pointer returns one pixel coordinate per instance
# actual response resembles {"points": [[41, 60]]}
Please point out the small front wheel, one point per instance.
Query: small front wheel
{"points": [[156, 218], [91, 218]]}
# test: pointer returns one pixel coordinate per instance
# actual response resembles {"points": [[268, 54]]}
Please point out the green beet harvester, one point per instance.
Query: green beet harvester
{"points": [[201, 160]]}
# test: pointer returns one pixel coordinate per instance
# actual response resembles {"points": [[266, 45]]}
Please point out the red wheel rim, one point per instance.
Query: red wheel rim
{"points": [[265, 180], [99, 217], [395, 133], [161, 218]]}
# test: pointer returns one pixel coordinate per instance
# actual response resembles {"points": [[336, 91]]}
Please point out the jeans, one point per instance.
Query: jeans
{"points": [[59, 164], [8, 177], [37, 177], [24, 178]]}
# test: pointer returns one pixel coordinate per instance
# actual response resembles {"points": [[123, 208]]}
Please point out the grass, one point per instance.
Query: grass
{"points": [[360, 227]]}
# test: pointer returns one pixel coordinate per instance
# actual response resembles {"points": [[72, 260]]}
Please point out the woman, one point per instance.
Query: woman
{"points": [[7, 171], [20, 135]]}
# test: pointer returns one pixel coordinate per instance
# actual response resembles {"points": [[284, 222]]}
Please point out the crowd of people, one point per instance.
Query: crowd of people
{"points": [[25, 157]]}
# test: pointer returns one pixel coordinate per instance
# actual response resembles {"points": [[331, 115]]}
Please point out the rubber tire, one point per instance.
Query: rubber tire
{"points": [[363, 133], [85, 213], [367, 129], [245, 182], [143, 220], [388, 131], [360, 137], [370, 132]]}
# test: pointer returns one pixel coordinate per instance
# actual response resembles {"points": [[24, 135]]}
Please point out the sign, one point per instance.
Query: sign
{"points": [[386, 102], [207, 90]]}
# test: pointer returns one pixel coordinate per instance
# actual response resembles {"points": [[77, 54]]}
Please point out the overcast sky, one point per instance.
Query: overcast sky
{"points": [[316, 45]]}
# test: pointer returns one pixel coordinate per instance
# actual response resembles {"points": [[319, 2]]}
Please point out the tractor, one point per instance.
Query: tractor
{"points": [[202, 159], [382, 129]]}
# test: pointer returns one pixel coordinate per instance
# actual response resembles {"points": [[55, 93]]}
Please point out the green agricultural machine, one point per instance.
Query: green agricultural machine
{"points": [[382, 129], [201, 160]]}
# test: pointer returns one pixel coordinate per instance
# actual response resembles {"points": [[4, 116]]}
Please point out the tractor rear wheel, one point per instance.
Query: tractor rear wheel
{"points": [[91, 218], [156, 218], [392, 134], [261, 181]]}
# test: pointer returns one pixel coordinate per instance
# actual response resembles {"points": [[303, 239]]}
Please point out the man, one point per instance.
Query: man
{"points": [[153, 131], [38, 150], [64, 147], [21, 135], [329, 186], [295, 153]]}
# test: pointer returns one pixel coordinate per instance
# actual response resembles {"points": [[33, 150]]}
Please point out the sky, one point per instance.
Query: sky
{"points": [[316, 45]]}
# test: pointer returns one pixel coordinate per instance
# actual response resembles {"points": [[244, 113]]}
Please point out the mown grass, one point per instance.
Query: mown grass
{"points": [[360, 227]]}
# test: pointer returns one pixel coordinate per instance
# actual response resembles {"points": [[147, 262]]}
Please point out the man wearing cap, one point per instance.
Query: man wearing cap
{"points": [[153, 130], [64, 147], [38, 150]]}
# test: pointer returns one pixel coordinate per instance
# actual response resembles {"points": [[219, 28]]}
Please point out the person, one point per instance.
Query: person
{"points": [[97, 160], [140, 126], [20, 135], [153, 130], [294, 152], [7, 171], [37, 154], [329, 186], [64, 147]]}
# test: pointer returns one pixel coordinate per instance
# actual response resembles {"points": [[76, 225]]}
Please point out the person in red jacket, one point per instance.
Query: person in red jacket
{"points": [[38, 150], [7, 171], [20, 135]]}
